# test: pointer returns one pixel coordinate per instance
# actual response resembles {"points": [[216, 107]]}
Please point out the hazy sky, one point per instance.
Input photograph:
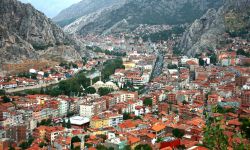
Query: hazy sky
{"points": [[50, 7]]}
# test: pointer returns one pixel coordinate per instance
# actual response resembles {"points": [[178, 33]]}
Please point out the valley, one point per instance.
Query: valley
{"points": [[125, 75]]}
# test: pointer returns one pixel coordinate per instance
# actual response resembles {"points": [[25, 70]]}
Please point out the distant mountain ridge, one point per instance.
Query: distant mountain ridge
{"points": [[26, 33], [82, 8], [131, 13], [207, 31]]}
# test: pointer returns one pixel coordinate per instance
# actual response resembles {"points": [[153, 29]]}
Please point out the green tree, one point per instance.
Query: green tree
{"points": [[178, 133], [126, 116], [101, 147], [24, 145], [172, 66], [75, 139], [42, 144], [181, 147], [83, 80], [110, 66], [45, 122], [2, 92], [143, 147], [46, 74], [68, 125], [245, 126], [90, 90], [64, 123], [104, 91], [242, 52], [148, 102], [201, 62], [54, 92], [77, 148], [159, 140], [184, 102], [11, 148], [42, 90], [213, 59], [74, 65], [103, 136], [127, 147], [6, 99], [214, 138]]}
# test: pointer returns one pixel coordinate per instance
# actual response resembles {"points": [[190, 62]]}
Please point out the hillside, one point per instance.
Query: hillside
{"points": [[207, 32], [131, 13], [82, 8], [26, 33]]}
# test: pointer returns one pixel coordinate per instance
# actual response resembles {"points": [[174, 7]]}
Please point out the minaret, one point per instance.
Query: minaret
{"points": [[100, 76], [91, 81]]}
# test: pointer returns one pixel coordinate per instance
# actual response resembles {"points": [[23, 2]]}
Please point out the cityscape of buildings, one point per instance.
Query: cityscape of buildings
{"points": [[157, 98]]}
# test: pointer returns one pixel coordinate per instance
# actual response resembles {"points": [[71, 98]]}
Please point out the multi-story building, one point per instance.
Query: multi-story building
{"points": [[87, 110], [172, 98], [63, 107], [245, 98], [106, 119], [115, 119], [240, 81], [99, 122], [53, 132], [94, 107], [17, 133], [4, 143]]}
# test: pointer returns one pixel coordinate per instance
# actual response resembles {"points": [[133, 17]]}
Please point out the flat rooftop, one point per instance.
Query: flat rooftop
{"points": [[78, 120]]}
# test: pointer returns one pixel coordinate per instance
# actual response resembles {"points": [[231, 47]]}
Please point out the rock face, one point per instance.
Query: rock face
{"points": [[207, 31], [26, 32], [204, 32], [131, 13], [83, 8]]}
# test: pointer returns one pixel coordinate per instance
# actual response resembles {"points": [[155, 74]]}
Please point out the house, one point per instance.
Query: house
{"points": [[8, 85], [133, 141], [158, 129]]}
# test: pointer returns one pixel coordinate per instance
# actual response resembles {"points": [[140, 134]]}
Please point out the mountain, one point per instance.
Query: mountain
{"points": [[82, 8], [26, 33], [207, 32], [130, 14]]}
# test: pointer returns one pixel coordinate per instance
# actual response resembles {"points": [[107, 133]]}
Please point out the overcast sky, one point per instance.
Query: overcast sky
{"points": [[50, 7]]}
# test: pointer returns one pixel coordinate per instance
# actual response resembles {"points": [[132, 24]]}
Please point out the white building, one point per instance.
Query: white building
{"points": [[108, 84], [115, 120], [86, 110], [63, 107]]}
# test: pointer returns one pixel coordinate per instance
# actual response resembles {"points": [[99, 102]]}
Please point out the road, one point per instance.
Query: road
{"points": [[158, 65], [31, 87], [156, 72], [38, 85]]}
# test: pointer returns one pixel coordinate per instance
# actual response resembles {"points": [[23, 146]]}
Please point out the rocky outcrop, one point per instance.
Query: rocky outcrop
{"points": [[204, 32], [207, 31], [137, 12], [84, 7], [26, 32]]}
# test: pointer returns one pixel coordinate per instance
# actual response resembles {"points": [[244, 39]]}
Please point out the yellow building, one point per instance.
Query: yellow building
{"points": [[128, 65], [97, 122], [39, 132]]}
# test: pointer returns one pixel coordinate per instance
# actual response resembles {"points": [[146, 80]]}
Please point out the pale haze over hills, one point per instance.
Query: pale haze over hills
{"points": [[50, 7]]}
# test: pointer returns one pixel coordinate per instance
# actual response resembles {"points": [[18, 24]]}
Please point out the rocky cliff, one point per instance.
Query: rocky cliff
{"points": [[83, 8], [207, 32], [131, 13], [203, 33], [26, 33]]}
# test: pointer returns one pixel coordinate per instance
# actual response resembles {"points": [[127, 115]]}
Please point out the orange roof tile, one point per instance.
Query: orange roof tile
{"points": [[158, 127], [133, 140]]}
